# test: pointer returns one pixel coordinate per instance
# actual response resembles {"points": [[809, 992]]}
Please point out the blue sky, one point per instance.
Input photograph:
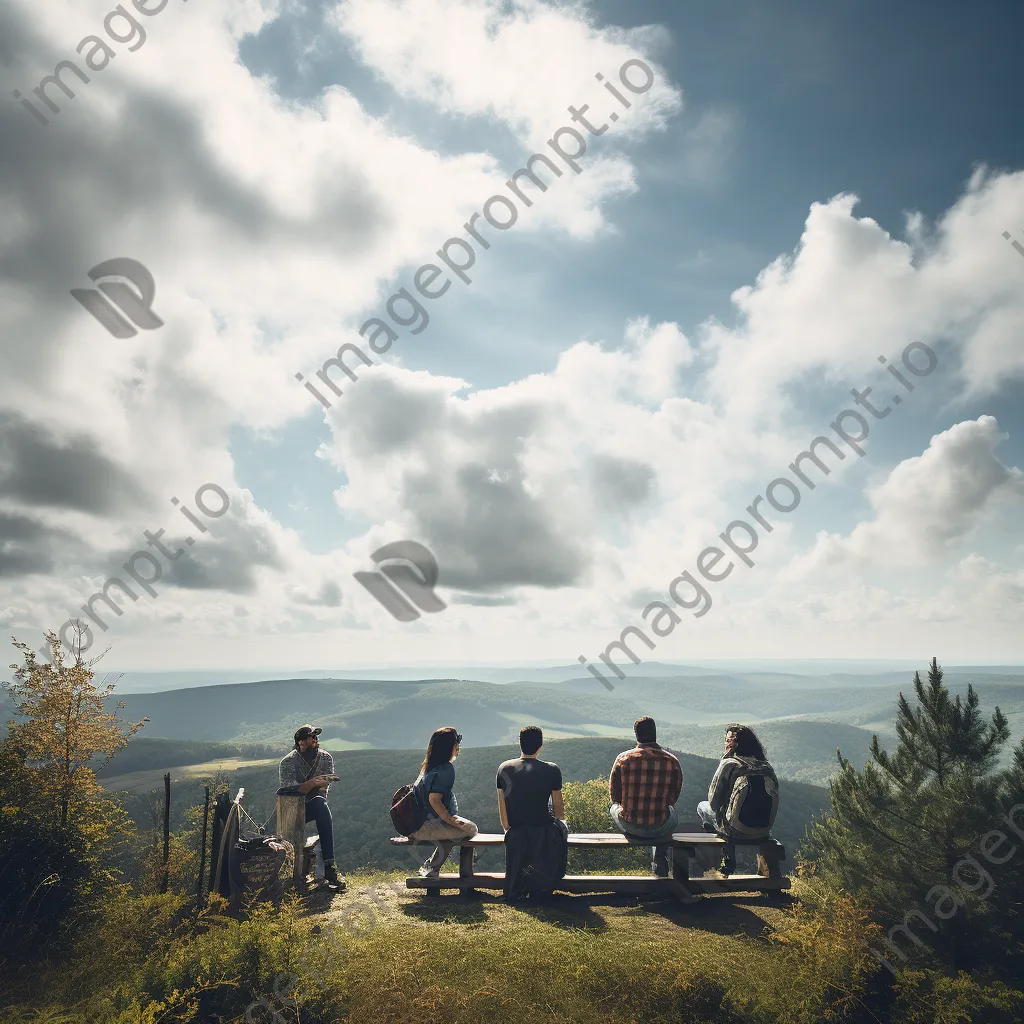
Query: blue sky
{"points": [[623, 401], [822, 99]]}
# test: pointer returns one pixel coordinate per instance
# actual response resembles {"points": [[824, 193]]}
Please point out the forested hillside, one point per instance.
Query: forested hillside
{"points": [[146, 754], [802, 719], [804, 751]]}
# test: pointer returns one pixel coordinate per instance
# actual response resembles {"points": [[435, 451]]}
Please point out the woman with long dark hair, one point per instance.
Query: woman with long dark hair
{"points": [[743, 798], [436, 784]]}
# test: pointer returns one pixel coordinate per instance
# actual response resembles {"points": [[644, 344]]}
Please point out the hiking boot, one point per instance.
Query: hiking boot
{"points": [[332, 877], [429, 872]]}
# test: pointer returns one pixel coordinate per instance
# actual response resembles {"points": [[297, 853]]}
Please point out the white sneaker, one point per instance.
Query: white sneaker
{"points": [[426, 872]]}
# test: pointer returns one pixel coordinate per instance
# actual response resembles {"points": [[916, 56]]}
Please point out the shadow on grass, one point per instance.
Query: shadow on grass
{"points": [[320, 898], [726, 914], [566, 911], [731, 914], [466, 909], [560, 910], [721, 915]]}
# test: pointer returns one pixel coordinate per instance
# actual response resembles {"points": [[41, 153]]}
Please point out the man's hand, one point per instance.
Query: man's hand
{"points": [[314, 783]]}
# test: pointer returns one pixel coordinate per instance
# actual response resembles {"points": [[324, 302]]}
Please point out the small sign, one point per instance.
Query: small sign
{"points": [[256, 863]]}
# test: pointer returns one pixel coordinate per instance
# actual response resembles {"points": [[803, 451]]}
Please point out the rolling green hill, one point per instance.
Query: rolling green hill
{"points": [[399, 715], [146, 754], [804, 751], [802, 719]]}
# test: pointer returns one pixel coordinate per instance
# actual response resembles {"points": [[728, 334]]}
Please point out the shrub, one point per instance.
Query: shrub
{"points": [[929, 997], [586, 810]]}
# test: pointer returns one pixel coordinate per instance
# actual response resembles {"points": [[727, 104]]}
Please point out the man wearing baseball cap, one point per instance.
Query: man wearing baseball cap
{"points": [[307, 769]]}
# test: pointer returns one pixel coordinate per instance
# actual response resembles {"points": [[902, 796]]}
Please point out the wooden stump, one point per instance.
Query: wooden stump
{"points": [[291, 824]]}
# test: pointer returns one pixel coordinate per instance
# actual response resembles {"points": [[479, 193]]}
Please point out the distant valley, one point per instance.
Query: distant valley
{"points": [[802, 719]]}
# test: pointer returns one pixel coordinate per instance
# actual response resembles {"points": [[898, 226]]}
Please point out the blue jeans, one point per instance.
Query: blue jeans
{"points": [[663, 830], [706, 815], [707, 859], [318, 811]]}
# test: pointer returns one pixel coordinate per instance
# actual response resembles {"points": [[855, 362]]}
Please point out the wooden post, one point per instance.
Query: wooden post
{"points": [[291, 823], [167, 829], [221, 808], [202, 851], [466, 870]]}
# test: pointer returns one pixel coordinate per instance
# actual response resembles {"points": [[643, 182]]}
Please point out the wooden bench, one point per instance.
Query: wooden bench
{"points": [[681, 884]]}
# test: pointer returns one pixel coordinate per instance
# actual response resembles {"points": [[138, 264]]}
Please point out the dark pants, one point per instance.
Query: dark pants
{"points": [[318, 811], [536, 857]]}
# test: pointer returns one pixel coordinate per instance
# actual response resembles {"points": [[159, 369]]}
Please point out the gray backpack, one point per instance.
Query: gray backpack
{"points": [[754, 801]]}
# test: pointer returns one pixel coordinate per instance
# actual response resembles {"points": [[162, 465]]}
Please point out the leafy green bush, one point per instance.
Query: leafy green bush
{"points": [[44, 874], [586, 810], [929, 997]]}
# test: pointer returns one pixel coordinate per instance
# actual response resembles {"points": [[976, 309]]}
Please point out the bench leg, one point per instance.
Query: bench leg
{"points": [[681, 874], [768, 861], [466, 869]]}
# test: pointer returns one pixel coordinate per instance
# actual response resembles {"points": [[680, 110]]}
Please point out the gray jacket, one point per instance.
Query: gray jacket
{"points": [[725, 778], [294, 771]]}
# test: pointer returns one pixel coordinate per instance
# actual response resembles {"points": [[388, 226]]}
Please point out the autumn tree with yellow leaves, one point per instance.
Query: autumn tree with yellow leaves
{"points": [[65, 727], [60, 836]]}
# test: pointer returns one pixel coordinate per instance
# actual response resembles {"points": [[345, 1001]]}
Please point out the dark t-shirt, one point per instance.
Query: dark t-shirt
{"points": [[441, 780], [527, 783]]}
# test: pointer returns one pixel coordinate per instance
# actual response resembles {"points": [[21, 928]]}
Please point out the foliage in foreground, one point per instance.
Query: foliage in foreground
{"points": [[62, 843], [928, 835], [460, 962]]}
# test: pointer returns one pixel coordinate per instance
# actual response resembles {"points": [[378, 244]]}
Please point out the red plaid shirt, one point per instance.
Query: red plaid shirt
{"points": [[646, 781]]}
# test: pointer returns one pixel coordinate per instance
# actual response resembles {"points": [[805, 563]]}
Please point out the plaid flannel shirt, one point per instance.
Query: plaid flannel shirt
{"points": [[295, 770], [646, 781]]}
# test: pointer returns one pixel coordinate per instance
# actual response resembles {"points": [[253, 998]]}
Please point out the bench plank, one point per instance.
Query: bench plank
{"points": [[737, 883], [480, 839], [579, 884], [570, 883], [579, 840]]}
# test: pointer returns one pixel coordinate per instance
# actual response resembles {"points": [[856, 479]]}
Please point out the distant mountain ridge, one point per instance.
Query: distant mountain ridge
{"points": [[849, 669]]}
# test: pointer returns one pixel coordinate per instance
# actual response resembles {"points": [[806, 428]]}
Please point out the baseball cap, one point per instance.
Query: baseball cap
{"points": [[305, 731]]}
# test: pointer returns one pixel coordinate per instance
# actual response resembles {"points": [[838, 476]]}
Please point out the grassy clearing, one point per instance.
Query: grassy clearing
{"points": [[153, 778], [400, 957]]}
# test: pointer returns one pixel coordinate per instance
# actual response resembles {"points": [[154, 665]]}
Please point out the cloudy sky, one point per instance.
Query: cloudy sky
{"points": [[793, 194]]}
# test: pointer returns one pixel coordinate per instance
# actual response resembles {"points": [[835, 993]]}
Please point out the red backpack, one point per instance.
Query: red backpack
{"points": [[407, 811]]}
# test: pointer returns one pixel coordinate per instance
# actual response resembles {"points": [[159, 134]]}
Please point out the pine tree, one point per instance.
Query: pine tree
{"points": [[905, 833]]}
